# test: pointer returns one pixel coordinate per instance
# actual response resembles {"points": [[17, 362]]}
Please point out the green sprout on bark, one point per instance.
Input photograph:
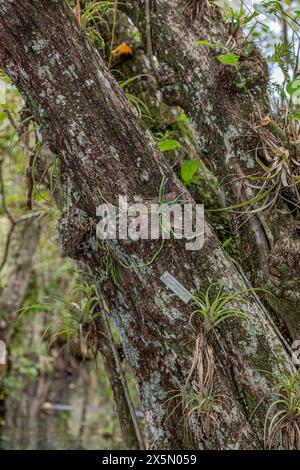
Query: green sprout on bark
{"points": [[194, 405], [282, 422]]}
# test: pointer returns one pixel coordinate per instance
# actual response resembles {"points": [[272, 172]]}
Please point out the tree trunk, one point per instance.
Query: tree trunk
{"points": [[19, 274], [228, 127], [87, 120]]}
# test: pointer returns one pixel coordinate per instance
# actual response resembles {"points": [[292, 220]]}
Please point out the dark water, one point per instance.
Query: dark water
{"points": [[67, 411]]}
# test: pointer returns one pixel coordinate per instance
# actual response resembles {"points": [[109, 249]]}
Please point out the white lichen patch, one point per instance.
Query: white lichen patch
{"points": [[60, 100], [39, 44], [121, 320], [145, 175], [75, 129], [70, 71], [114, 154], [4, 5], [44, 73], [154, 394], [89, 83], [247, 159], [23, 74], [84, 158], [163, 301], [81, 138], [150, 139], [54, 57]]}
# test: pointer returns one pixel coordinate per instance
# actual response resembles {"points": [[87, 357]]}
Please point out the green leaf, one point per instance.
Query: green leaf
{"points": [[293, 88], [240, 85], [294, 116], [228, 59], [209, 44], [250, 18], [183, 118], [167, 145], [188, 169], [243, 204], [227, 242], [132, 79]]}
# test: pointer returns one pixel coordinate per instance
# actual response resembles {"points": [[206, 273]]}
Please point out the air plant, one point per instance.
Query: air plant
{"points": [[192, 404], [280, 173], [110, 266], [282, 422], [165, 204], [198, 399], [278, 177], [91, 16], [212, 311], [77, 322]]}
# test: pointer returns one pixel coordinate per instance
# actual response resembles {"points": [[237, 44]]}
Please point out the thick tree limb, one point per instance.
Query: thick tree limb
{"points": [[87, 120], [224, 118]]}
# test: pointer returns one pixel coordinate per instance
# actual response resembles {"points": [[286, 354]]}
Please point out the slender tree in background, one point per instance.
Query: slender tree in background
{"points": [[19, 273], [104, 149]]}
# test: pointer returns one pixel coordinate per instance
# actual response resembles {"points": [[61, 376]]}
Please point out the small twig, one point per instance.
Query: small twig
{"points": [[78, 14], [29, 181], [14, 222], [11, 119]]}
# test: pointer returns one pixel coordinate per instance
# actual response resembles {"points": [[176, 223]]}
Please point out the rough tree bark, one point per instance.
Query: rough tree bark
{"points": [[228, 129], [87, 120], [121, 404]]}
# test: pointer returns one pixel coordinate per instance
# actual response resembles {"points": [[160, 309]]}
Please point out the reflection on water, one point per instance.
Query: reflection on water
{"points": [[62, 412]]}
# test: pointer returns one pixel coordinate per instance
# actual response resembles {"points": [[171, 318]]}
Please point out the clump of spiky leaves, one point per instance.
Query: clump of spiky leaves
{"points": [[92, 17], [197, 397], [196, 406], [212, 311], [202, 407], [76, 322], [282, 423], [111, 269], [165, 204], [279, 177]]}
